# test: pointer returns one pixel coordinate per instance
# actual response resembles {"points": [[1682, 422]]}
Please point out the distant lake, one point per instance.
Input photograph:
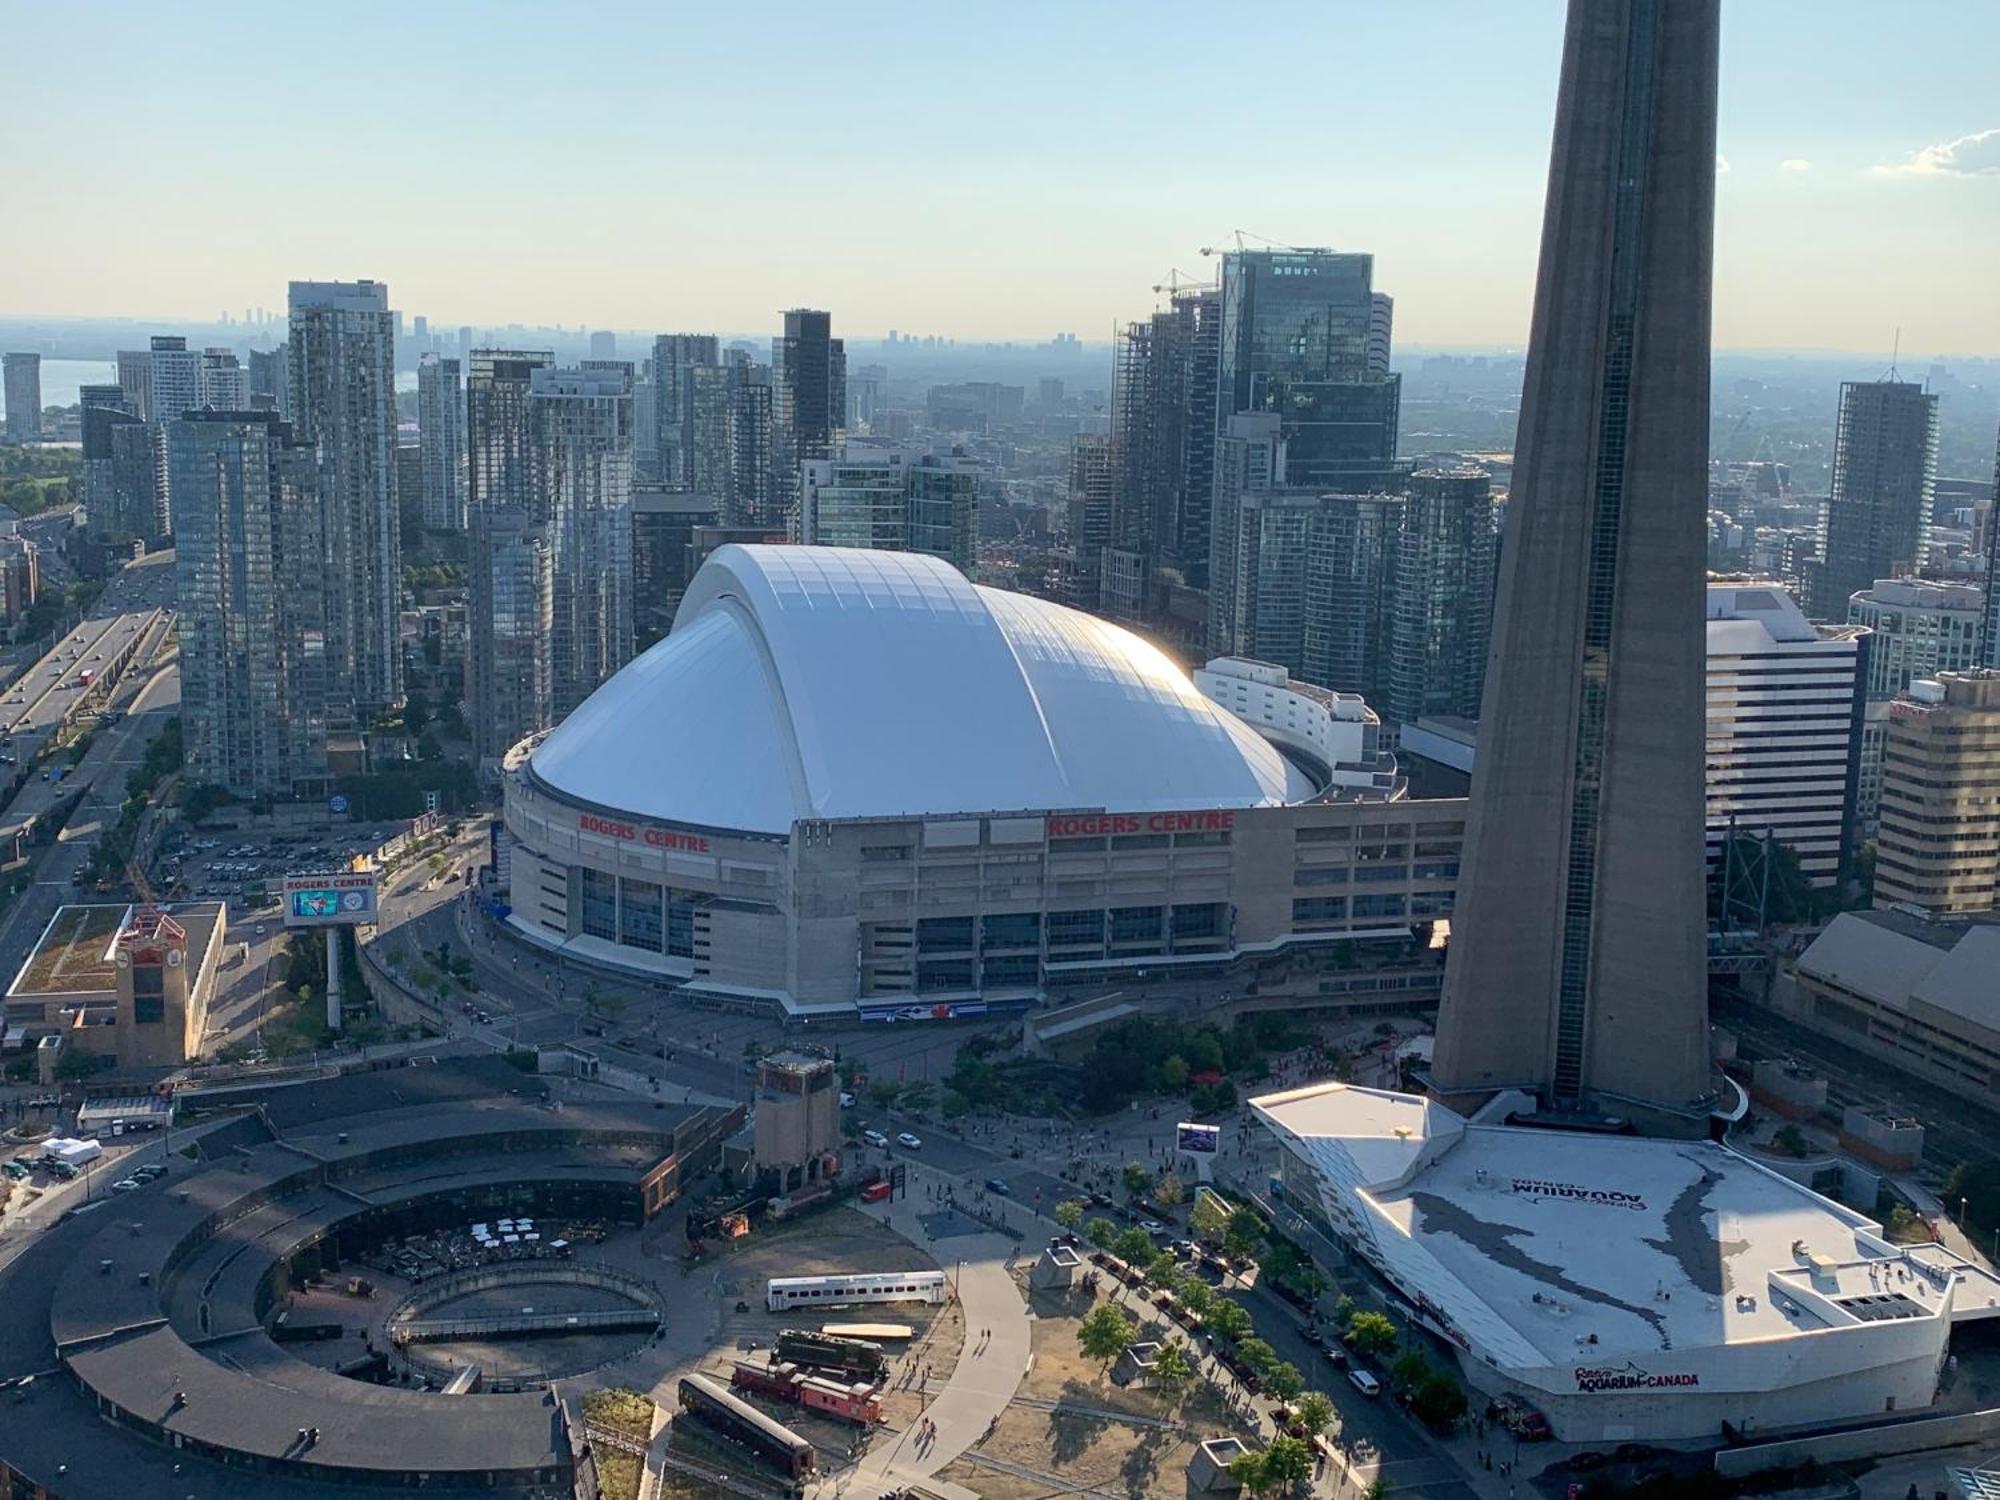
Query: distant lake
{"points": [[61, 378]]}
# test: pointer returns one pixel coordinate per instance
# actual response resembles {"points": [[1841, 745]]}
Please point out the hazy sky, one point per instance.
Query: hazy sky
{"points": [[998, 170]]}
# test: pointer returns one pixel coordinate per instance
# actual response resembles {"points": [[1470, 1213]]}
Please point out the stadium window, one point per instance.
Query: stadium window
{"points": [[1324, 835]]}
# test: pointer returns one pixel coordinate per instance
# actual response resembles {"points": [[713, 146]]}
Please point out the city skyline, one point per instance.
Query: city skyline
{"points": [[1040, 196]]}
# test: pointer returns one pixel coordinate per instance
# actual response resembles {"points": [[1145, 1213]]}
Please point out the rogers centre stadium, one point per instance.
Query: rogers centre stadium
{"points": [[854, 782]]}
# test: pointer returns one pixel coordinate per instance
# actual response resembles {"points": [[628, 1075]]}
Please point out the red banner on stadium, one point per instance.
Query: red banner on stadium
{"points": [[1090, 825], [643, 833]]}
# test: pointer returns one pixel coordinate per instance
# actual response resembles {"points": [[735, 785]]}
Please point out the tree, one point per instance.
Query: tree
{"points": [[1101, 1232], [917, 1096], [1137, 1178], [1284, 1381], [1168, 1190], [883, 1092], [1104, 1333], [1792, 1141], [1410, 1370], [1977, 1180], [1313, 1412], [1439, 1401], [416, 713], [1281, 1261], [1172, 1371], [1244, 1233], [1377, 1488], [1371, 1333], [1134, 1246], [1229, 1318], [1196, 1297], [1258, 1355], [1210, 1219], [1174, 1073], [1250, 1470], [1069, 1213], [1288, 1462]]}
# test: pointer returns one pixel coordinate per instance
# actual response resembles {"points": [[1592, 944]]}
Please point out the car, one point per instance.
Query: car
{"points": [[846, 1099], [1365, 1382], [908, 1142], [126, 1185], [16, 1169], [998, 1186], [262, 928], [875, 1138], [1153, 1227], [1335, 1356]]}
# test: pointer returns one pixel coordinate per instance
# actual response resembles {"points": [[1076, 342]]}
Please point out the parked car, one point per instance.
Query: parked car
{"points": [[1365, 1382], [126, 1185], [909, 1142], [998, 1185]]}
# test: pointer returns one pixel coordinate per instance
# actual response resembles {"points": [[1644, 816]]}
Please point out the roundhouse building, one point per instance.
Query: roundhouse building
{"points": [[853, 779]]}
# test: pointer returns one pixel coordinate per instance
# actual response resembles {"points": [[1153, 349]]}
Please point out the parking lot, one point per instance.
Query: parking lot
{"points": [[249, 870]]}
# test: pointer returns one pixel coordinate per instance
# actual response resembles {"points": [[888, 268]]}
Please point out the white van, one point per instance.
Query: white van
{"points": [[1365, 1382], [875, 1138]]}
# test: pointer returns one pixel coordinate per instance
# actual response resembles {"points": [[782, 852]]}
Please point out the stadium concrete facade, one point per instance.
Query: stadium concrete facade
{"points": [[852, 781]]}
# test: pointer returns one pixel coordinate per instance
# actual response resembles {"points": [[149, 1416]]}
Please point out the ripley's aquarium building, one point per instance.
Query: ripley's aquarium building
{"points": [[853, 782]]}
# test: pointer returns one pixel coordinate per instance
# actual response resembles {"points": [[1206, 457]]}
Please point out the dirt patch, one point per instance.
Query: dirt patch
{"points": [[1070, 1421], [840, 1241]]}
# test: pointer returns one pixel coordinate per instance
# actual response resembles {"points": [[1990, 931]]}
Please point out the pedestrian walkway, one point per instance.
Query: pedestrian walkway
{"points": [[990, 1366]]}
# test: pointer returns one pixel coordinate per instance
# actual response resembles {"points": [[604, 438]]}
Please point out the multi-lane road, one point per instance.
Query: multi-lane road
{"points": [[130, 619], [151, 697]]}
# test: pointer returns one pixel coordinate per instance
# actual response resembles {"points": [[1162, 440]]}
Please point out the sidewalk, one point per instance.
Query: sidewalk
{"points": [[990, 1367]]}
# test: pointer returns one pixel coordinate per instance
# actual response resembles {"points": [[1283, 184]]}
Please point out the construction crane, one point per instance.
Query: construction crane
{"points": [[1241, 235], [1179, 281]]}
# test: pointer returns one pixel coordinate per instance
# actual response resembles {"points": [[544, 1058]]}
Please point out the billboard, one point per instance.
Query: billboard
{"points": [[1198, 1139], [346, 899], [924, 1010]]}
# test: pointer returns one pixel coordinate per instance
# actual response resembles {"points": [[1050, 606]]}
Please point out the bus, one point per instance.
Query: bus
{"points": [[783, 1292]]}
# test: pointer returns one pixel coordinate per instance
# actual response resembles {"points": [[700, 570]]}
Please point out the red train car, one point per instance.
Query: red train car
{"points": [[858, 1403]]}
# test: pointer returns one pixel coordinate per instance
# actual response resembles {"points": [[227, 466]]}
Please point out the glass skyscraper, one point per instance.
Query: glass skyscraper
{"points": [[249, 580], [1298, 327], [580, 425], [342, 380]]}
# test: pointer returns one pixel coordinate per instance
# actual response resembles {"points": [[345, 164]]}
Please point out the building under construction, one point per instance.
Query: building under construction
{"points": [[1163, 424]]}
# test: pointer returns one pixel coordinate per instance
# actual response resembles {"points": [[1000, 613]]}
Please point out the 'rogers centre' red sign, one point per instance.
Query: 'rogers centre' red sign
{"points": [[1087, 825], [657, 838]]}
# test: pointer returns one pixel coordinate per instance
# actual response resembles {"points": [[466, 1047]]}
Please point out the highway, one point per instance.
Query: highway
{"points": [[154, 698], [131, 617]]}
